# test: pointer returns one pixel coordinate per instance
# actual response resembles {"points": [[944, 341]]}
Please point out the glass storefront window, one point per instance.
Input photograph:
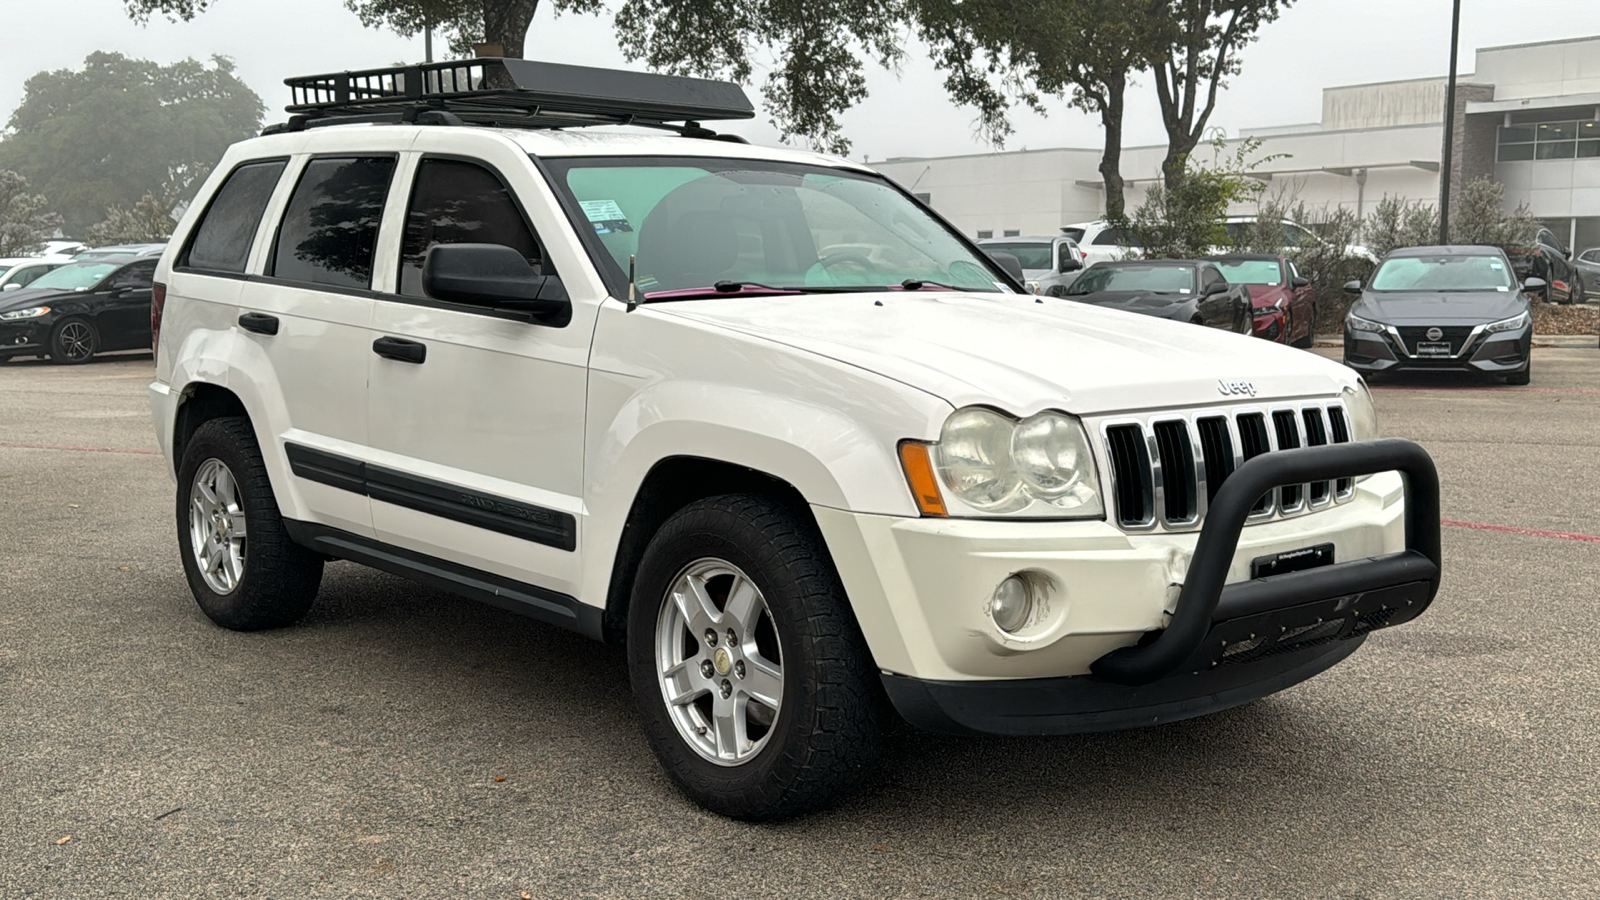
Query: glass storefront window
{"points": [[1549, 140]]}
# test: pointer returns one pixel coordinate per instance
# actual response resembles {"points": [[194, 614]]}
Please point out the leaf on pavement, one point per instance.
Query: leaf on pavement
{"points": [[63, 840]]}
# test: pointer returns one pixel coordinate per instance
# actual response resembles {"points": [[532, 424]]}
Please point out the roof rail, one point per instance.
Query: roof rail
{"points": [[515, 93]]}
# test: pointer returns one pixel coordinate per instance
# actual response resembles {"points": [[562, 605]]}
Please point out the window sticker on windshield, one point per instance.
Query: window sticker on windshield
{"points": [[605, 215], [1495, 265]]}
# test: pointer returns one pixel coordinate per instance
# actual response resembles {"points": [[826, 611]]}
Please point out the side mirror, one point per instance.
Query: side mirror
{"points": [[11, 287], [494, 276], [1299, 282], [1068, 264], [1009, 264], [1534, 284], [1215, 287], [1352, 287]]}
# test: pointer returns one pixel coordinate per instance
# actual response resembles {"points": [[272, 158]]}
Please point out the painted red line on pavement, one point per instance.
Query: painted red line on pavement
{"points": [[13, 446], [1491, 390], [1531, 532]]}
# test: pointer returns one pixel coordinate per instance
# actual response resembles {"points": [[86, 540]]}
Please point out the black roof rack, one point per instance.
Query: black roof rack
{"points": [[515, 93]]}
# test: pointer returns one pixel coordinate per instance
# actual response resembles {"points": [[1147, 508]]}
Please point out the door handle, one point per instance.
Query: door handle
{"points": [[260, 323], [400, 349]]}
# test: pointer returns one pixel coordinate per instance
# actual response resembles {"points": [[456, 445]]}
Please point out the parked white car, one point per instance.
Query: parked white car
{"points": [[18, 272], [610, 381], [1102, 243]]}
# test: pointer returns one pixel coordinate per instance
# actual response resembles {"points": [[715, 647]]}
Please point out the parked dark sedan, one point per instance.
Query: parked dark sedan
{"points": [[1549, 260], [1457, 309], [1183, 289], [1588, 265], [1284, 304], [80, 309]]}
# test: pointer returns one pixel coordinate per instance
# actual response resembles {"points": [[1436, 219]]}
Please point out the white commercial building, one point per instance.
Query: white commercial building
{"points": [[1529, 116]]}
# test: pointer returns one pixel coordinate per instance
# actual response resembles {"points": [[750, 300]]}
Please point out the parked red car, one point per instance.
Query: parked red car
{"points": [[1284, 304]]}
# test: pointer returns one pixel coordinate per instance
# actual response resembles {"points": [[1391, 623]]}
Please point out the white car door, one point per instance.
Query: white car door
{"points": [[475, 416], [309, 311]]}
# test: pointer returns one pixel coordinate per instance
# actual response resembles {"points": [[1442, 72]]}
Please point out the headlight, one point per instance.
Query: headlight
{"points": [[991, 464], [1512, 324], [32, 312], [1363, 415], [1356, 323]]}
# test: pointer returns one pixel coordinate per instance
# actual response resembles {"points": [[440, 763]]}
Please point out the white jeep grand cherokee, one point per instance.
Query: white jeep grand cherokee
{"points": [[755, 414]]}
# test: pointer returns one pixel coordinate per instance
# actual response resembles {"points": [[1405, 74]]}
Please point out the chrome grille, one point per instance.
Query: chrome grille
{"points": [[1166, 468]]}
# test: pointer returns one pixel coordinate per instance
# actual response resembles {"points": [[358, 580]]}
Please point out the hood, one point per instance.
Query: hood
{"points": [[1264, 295], [1439, 307], [26, 297], [1142, 302], [1023, 353]]}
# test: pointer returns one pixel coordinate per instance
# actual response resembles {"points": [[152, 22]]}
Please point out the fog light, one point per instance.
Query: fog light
{"points": [[1012, 604]]}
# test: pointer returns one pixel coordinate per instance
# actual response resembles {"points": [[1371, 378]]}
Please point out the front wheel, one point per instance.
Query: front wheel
{"points": [[754, 684], [1523, 377], [242, 568], [1310, 340], [73, 342]]}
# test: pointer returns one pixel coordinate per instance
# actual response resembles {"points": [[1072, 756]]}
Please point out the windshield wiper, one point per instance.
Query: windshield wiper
{"points": [[917, 284], [724, 289]]}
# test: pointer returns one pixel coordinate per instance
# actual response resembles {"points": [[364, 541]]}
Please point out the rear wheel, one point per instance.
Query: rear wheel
{"points": [[754, 684], [73, 341], [242, 568]]}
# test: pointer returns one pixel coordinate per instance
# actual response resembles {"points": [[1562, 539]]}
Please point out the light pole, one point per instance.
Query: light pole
{"points": [[1449, 127]]}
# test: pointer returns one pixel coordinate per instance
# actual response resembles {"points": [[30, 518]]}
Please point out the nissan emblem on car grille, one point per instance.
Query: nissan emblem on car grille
{"points": [[1434, 334]]}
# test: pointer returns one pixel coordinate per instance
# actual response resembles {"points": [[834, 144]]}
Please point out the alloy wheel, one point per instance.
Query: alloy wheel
{"points": [[718, 662], [76, 341], [217, 531]]}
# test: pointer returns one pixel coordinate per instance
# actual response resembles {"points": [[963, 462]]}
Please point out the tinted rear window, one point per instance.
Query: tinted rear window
{"points": [[330, 230], [1031, 254], [222, 239]]}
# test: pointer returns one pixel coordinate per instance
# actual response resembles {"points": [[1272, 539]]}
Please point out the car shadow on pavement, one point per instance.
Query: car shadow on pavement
{"points": [[119, 356], [526, 684]]}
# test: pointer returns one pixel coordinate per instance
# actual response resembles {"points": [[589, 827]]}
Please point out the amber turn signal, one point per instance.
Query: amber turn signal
{"points": [[919, 475]]}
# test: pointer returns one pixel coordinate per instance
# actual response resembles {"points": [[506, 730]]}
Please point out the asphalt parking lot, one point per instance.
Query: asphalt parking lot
{"points": [[403, 743]]}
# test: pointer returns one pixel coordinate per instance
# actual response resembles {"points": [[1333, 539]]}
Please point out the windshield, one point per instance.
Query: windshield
{"points": [[1156, 279], [77, 277], [1442, 273], [1251, 271], [689, 224], [5, 268], [1032, 255], [1075, 233]]}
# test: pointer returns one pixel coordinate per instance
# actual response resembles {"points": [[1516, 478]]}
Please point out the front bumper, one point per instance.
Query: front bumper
{"points": [[1273, 327], [921, 590], [1373, 352], [25, 337]]}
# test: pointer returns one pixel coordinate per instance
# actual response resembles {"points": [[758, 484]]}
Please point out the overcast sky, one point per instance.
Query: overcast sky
{"points": [[1316, 43]]}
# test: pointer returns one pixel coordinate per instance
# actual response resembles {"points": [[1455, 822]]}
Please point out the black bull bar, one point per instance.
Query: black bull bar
{"points": [[1217, 623]]}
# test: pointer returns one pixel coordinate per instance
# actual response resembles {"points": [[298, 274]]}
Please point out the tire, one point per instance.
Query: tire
{"points": [[73, 341], [260, 579], [1522, 377], [824, 739]]}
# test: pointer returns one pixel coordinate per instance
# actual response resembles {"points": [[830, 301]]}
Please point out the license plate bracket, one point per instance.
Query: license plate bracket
{"points": [[1433, 348], [1292, 561]]}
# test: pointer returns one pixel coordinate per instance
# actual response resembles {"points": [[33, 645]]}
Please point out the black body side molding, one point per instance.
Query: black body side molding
{"points": [[513, 517]]}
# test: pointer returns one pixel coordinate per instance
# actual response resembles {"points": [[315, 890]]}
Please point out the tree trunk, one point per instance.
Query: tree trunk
{"points": [[1111, 159], [1179, 145], [505, 22]]}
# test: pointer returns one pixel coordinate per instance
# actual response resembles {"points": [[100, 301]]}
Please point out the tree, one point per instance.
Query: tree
{"points": [[149, 221], [817, 49], [121, 128], [1202, 43], [1082, 50], [1189, 220], [25, 222]]}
